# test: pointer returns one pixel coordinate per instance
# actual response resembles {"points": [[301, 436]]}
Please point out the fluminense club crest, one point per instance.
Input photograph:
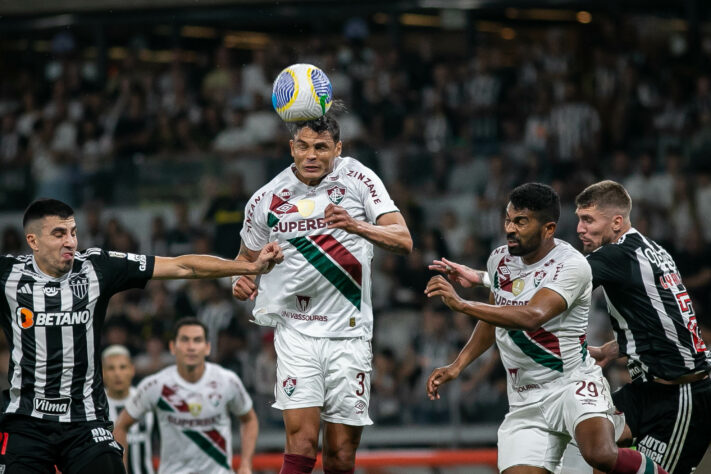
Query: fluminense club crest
{"points": [[289, 385], [303, 302], [513, 374], [336, 194], [538, 277]]}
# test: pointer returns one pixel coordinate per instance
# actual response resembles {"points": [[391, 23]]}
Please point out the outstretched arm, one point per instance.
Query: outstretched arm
{"points": [[389, 232], [207, 266], [249, 429], [461, 274], [545, 305]]}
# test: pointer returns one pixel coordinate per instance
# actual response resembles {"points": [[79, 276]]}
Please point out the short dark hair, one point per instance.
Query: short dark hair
{"points": [[43, 207], [605, 195], [325, 123], [189, 321], [539, 198]]}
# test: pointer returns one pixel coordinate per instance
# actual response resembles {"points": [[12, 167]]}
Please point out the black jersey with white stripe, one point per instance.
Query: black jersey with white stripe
{"points": [[53, 327], [650, 309], [140, 451]]}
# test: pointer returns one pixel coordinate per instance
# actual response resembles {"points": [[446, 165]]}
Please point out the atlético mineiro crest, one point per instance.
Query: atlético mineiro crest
{"points": [[289, 385], [79, 286], [303, 302], [336, 194]]}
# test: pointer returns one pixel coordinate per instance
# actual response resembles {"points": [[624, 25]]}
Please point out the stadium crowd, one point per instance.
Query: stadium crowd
{"points": [[450, 134]]}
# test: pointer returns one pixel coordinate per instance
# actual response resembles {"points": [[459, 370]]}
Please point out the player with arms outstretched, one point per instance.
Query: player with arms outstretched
{"points": [[52, 312], [537, 315], [327, 211]]}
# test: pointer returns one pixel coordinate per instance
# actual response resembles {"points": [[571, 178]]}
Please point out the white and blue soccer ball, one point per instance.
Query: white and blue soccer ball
{"points": [[301, 92]]}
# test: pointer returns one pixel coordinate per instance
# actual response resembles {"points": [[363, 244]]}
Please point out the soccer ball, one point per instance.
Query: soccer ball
{"points": [[301, 92]]}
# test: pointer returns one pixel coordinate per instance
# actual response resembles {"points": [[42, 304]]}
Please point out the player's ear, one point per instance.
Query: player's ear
{"points": [[32, 241], [339, 146], [171, 346], [617, 222]]}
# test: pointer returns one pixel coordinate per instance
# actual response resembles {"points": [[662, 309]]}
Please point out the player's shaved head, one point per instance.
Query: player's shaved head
{"points": [[41, 208], [606, 195]]}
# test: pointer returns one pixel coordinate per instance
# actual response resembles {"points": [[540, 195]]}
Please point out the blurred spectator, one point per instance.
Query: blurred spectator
{"points": [[225, 215], [12, 242]]}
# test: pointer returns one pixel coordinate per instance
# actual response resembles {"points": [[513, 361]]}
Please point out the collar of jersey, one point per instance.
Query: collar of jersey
{"points": [[50, 278]]}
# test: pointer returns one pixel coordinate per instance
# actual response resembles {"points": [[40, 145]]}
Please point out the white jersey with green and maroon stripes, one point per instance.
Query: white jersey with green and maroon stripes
{"points": [[322, 288], [559, 347], [194, 418]]}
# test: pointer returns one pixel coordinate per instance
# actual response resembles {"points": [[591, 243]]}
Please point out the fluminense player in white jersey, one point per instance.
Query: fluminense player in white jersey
{"points": [[326, 211], [537, 315], [118, 371], [193, 401]]}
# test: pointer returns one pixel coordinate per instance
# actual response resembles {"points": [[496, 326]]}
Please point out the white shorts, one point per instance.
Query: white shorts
{"points": [[537, 434], [331, 373]]}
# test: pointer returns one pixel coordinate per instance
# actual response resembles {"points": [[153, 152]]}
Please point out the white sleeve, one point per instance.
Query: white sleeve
{"points": [[240, 402], [376, 199], [145, 398], [255, 229], [571, 279]]}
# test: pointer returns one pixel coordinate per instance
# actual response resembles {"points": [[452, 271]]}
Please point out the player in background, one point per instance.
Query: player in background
{"points": [[537, 314], [118, 371], [52, 312], [193, 401], [668, 404], [327, 211]]}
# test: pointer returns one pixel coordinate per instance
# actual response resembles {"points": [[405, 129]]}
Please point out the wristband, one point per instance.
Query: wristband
{"points": [[485, 280]]}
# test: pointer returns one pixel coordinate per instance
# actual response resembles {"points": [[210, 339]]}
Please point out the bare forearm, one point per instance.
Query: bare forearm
{"points": [[480, 341], [393, 237], [509, 317], [248, 440], [206, 266]]}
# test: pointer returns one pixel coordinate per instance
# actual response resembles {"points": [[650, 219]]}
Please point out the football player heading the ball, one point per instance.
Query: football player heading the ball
{"points": [[327, 211]]}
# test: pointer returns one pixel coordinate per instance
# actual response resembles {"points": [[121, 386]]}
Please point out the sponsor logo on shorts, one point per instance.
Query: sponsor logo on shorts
{"points": [[52, 406], [101, 435], [360, 407], [652, 448], [289, 385], [303, 302]]}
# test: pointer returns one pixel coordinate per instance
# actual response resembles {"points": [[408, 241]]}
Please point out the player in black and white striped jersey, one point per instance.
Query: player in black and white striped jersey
{"points": [[118, 371], [52, 312]]}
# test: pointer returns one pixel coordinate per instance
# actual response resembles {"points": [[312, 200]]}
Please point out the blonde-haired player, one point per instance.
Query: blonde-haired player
{"points": [[118, 371]]}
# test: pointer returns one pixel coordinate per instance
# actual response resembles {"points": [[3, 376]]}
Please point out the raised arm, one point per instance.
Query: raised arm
{"points": [[389, 232], [545, 305], [207, 266], [460, 274], [123, 423], [482, 338], [249, 430]]}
